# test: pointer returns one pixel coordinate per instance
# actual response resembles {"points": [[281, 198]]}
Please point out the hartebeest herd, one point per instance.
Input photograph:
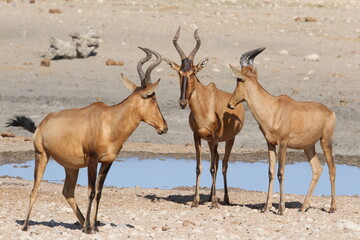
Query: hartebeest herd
{"points": [[85, 137]]}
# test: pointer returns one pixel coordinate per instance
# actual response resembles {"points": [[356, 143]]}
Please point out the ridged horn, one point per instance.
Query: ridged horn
{"points": [[141, 63], [180, 51], [152, 66], [198, 43], [247, 59]]}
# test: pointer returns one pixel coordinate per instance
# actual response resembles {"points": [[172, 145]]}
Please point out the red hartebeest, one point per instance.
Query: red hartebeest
{"points": [[84, 137], [288, 124], [209, 118]]}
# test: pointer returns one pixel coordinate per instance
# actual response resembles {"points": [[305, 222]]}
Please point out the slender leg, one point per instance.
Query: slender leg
{"points": [[69, 192], [197, 142], [316, 173], [213, 170], [92, 167], [216, 155], [327, 148], [104, 169], [41, 160], [228, 146], [282, 157], [272, 162]]}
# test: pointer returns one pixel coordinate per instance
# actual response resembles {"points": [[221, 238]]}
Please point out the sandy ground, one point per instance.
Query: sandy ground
{"points": [[227, 29]]}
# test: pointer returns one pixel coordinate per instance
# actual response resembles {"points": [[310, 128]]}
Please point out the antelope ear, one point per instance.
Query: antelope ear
{"points": [[128, 83], [238, 73], [149, 90], [172, 64], [201, 64]]}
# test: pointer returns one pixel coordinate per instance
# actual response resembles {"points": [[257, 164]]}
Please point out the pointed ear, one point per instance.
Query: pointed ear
{"points": [[149, 90], [172, 64], [128, 83], [201, 64], [238, 73]]}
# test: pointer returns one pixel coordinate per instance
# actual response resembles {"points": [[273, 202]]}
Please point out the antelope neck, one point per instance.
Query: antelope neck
{"points": [[260, 102], [124, 118]]}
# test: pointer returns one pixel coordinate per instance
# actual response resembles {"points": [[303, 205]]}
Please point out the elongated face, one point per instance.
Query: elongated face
{"points": [[187, 72], [245, 79], [186, 81]]}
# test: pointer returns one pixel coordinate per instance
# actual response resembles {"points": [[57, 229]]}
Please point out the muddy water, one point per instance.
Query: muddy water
{"points": [[167, 173]]}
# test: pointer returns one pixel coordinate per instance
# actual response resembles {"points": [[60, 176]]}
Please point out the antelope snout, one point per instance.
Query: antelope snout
{"points": [[229, 105], [182, 103], [162, 131]]}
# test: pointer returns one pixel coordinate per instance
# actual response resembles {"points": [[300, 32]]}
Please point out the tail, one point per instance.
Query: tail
{"points": [[22, 121]]}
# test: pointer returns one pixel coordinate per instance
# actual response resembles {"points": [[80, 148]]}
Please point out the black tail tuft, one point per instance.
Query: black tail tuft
{"points": [[22, 121]]}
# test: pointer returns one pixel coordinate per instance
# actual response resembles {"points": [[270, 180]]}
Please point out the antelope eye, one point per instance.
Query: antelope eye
{"points": [[151, 95], [239, 79]]}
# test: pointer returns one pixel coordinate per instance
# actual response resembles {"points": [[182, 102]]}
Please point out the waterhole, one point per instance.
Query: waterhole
{"points": [[168, 173]]}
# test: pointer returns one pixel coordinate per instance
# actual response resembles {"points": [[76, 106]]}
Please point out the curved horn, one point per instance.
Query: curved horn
{"points": [[152, 66], [140, 64], [182, 54], [198, 43], [247, 59]]}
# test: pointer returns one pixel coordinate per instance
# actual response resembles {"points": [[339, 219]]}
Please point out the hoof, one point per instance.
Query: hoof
{"points": [[214, 205], [226, 201], [264, 210], [303, 209], [88, 230], [332, 210], [194, 204], [24, 228], [280, 212]]}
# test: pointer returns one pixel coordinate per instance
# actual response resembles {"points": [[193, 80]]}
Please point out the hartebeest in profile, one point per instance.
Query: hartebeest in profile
{"points": [[209, 118], [84, 137], [286, 123]]}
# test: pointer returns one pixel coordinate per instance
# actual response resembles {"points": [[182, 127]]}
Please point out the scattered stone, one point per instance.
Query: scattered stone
{"points": [[111, 62], [165, 228], [187, 223], [343, 102], [312, 57], [45, 62], [311, 72], [8, 135], [306, 19], [347, 224], [309, 19], [216, 70], [55, 11], [283, 53]]}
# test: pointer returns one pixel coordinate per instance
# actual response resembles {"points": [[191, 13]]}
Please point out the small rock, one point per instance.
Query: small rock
{"points": [[45, 62], [283, 53], [346, 224], [309, 19], [216, 70], [343, 102], [7, 135], [312, 57], [165, 228], [55, 11], [188, 223], [111, 62], [310, 72]]}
